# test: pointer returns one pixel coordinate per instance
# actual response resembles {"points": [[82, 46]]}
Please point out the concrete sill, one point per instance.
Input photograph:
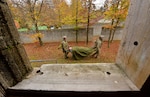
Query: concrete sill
{"points": [[77, 77]]}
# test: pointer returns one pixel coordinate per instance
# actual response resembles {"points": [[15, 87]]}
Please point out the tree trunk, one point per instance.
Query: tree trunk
{"points": [[76, 21], [33, 16], [39, 38], [113, 34], [40, 41], [110, 33], [88, 22]]}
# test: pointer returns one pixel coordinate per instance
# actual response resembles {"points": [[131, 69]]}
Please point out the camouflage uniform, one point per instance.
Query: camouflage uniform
{"points": [[65, 48], [97, 45]]}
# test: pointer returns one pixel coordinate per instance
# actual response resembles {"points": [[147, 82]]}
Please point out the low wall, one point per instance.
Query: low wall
{"points": [[98, 31], [117, 36], [56, 35]]}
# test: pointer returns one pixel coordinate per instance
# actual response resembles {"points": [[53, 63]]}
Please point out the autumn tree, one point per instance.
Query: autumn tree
{"points": [[117, 13], [48, 16], [77, 8], [62, 11], [31, 11], [76, 21], [72, 15], [90, 9], [19, 13], [35, 9], [82, 12], [77, 14]]}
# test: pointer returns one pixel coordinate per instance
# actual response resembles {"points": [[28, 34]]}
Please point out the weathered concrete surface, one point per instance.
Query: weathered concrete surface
{"points": [[14, 63], [134, 53], [78, 77]]}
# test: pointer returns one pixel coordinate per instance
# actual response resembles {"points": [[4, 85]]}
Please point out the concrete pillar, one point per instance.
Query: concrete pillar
{"points": [[14, 63], [134, 53]]}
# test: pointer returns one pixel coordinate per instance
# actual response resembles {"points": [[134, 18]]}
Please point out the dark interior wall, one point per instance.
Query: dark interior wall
{"points": [[14, 63], [146, 87], [134, 52]]}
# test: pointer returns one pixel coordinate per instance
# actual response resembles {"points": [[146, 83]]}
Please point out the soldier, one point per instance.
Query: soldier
{"points": [[65, 47], [97, 45]]}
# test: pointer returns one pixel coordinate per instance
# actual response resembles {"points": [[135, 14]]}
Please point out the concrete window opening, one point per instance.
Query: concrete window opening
{"points": [[125, 77]]}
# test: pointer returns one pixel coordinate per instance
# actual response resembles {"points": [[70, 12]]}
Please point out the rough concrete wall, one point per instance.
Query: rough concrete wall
{"points": [[56, 35], [14, 64], [134, 52]]}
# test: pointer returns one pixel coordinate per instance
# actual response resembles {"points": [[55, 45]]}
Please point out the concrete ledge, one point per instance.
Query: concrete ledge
{"points": [[77, 77]]}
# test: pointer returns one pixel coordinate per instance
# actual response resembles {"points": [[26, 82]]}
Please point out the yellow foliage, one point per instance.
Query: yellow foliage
{"points": [[118, 11], [108, 26], [35, 36]]}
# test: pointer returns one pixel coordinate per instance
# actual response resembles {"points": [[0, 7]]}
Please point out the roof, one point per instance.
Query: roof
{"points": [[104, 21]]}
